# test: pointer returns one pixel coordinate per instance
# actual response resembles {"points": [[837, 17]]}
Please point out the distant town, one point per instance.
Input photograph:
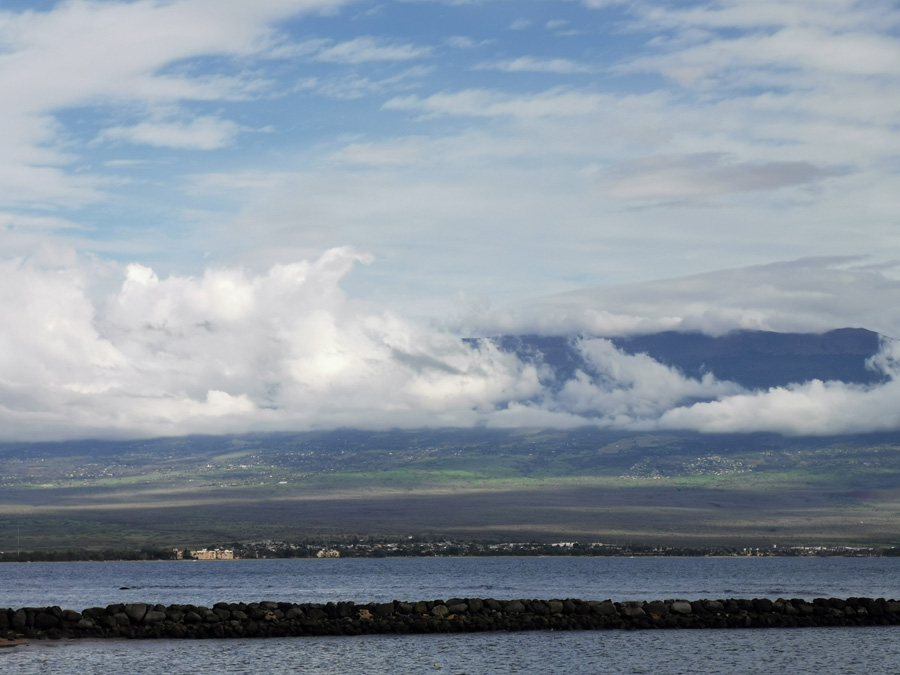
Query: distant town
{"points": [[413, 547], [416, 547]]}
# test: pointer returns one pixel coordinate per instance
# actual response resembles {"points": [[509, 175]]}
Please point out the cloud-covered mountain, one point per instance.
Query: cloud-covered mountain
{"points": [[89, 350], [751, 359]]}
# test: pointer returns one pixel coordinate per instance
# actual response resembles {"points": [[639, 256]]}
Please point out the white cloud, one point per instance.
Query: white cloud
{"points": [[460, 42], [530, 64], [365, 49], [465, 42], [808, 295], [486, 103], [771, 126], [814, 408], [630, 389], [201, 133], [87, 54], [800, 50], [230, 351], [353, 86], [18, 220], [749, 14]]}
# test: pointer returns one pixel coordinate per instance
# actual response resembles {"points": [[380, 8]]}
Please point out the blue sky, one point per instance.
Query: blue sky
{"points": [[399, 174]]}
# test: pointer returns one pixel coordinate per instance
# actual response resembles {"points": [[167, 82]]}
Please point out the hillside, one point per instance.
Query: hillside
{"points": [[510, 485], [588, 484]]}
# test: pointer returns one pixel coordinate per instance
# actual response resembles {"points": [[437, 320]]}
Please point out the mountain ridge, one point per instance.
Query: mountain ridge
{"points": [[752, 359]]}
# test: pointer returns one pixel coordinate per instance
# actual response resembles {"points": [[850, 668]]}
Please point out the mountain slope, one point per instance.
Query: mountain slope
{"points": [[752, 359]]}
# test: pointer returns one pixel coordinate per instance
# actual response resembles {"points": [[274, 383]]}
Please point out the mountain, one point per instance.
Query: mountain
{"points": [[753, 359], [586, 484], [592, 483]]}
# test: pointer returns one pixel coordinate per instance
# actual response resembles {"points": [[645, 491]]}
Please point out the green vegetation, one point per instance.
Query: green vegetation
{"points": [[489, 485]]}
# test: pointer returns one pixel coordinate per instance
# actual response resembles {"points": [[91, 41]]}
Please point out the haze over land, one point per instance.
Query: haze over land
{"points": [[287, 214]]}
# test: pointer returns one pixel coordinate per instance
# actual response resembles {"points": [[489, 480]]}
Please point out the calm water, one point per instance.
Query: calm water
{"points": [[80, 585]]}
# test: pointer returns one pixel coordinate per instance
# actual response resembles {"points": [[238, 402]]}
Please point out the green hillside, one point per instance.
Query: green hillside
{"points": [[503, 485]]}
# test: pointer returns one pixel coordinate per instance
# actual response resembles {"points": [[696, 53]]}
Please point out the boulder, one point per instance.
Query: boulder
{"points": [[152, 616], [135, 611], [45, 621]]}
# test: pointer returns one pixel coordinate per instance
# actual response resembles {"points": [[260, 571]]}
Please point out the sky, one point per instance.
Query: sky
{"points": [[220, 216]]}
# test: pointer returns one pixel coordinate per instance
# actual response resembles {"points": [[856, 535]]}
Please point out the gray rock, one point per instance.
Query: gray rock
{"points": [[19, 619], [763, 605], [605, 608], [210, 616], [192, 618], [135, 611], [152, 616], [44, 620], [682, 607]]}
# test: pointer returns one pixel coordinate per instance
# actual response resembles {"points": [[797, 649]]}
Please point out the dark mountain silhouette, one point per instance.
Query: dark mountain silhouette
{"points": [[753, 359]]}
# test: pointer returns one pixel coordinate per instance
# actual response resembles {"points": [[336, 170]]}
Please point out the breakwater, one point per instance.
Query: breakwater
{"points": [[457, 615]]}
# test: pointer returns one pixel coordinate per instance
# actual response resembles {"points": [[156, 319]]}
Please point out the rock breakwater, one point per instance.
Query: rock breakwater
{"points": [[457, 615]]}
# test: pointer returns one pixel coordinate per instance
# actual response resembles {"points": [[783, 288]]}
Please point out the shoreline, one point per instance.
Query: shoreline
{"points": [[456, 615]]}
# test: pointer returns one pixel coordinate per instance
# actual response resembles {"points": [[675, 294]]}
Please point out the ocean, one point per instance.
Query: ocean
{"points": [[799, 651]]}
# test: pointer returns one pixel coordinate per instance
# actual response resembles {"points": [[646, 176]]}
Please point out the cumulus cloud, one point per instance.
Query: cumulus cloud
{"points": [[230, 351], [287, 349], [812, 408], [624, 390]]}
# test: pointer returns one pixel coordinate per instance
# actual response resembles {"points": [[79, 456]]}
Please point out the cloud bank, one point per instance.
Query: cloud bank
{"points": [[659, 154], [287, 349]]}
